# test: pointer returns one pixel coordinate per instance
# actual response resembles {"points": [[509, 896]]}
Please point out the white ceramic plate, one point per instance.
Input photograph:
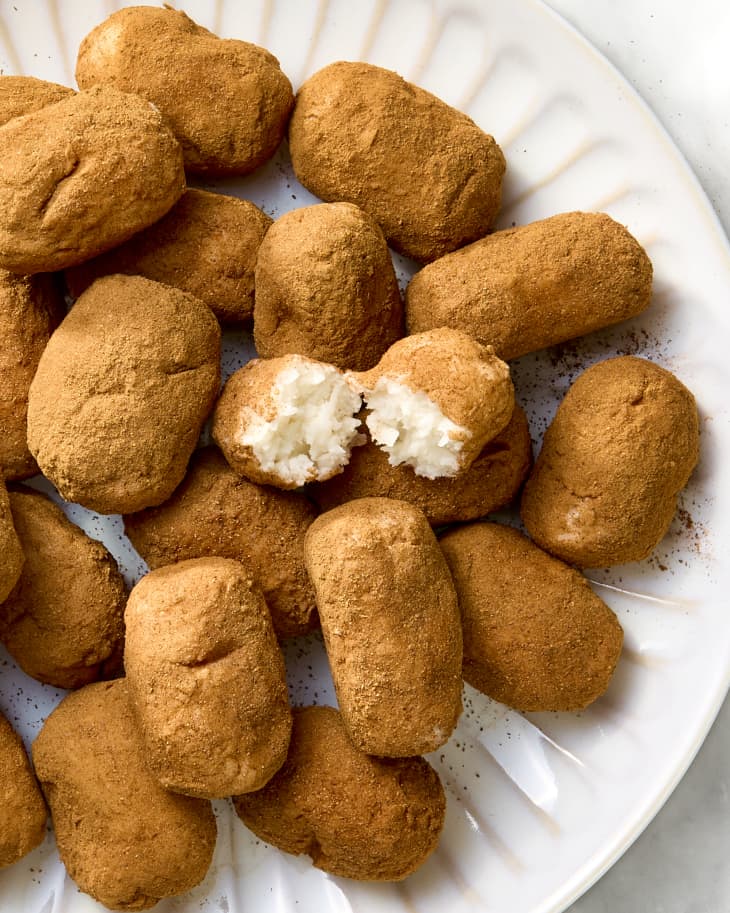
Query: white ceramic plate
{"points": [[538, 806]]}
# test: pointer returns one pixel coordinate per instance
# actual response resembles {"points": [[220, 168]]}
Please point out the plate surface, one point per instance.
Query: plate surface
{"points": [[538, 805]]}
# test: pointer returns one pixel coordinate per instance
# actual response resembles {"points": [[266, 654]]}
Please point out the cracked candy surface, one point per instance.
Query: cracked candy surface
{"points": [[287, 421], [492, 480], [435, 399], [121, 393]]}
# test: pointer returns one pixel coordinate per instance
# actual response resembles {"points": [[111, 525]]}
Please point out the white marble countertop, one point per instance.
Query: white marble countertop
{"points": [[677, 57]]}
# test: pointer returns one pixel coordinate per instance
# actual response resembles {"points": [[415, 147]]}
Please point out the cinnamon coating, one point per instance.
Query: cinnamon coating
{"points": [[20, 95], [22, 809], [326, 288], [216, 512], [391, 625], [12, 560], [424, 171], [63, 621], [227, 101], [621, 447], [124, 839], [206, 679], [372, 819], [82, 175], [536, 637], [31, 307], [491, 482], [121, 393], [206, 245], [529, 287]]}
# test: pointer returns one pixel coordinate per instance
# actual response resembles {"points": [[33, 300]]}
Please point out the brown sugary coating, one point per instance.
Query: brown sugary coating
{"points": [[621, 447], [372, 819], [11, 552], [536, 637], [121, 393], [423, 170], [63, 622], [214, 511], [31, 307], [21, 95], [491, 482], [526, 288], [326, 288], [206, 245], [466, 380], [227, 101], [22, 809], [391, 625], [124, 839], [82, 175], [206, 678]]}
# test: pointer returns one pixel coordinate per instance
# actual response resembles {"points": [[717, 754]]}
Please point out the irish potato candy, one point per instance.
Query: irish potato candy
{"points": [[62, 623], [326, 288], [435, 399], [357, 816], [79, 176], [536, 637], [424, 171], [391, 625], [529, 287], [22, 809], [31, 307], [286, 421], [124, 839], [206, 245], [206, 678], [121, 393], [227, 101], [621, 447], [215, 511]]}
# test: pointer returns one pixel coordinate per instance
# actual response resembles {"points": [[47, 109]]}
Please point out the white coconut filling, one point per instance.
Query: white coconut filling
{"points": [[411, 429], [314, 429]]}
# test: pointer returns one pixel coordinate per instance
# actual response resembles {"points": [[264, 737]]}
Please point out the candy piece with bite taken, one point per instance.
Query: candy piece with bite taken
{"points": [[286, 421], [435, 399]]}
